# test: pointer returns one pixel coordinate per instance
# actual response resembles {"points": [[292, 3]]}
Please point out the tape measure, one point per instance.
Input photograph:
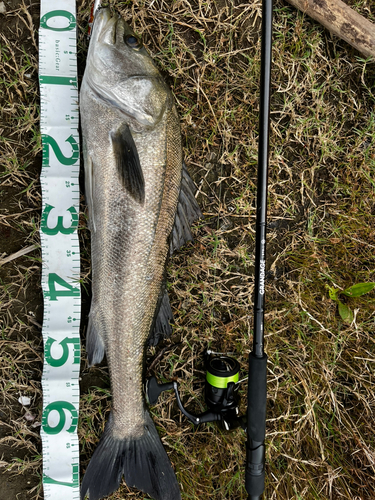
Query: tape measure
{"points": [[60, 248]]}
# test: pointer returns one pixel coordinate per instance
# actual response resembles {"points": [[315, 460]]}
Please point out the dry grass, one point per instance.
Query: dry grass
{"points": [[20, 295], [320, 442]]}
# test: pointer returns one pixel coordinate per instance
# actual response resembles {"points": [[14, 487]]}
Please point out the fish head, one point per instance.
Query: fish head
{"points": [[120, 71]]}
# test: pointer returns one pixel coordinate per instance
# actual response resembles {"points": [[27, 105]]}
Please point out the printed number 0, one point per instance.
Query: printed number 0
{"points": [[58, 13]]}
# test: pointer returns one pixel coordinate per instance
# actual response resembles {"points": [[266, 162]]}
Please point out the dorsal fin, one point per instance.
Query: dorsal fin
{"points": [[187, 212], [128, 164], [161, 327]]}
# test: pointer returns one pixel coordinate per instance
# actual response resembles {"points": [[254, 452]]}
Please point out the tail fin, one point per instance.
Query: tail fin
{"points": [[142, 461]]}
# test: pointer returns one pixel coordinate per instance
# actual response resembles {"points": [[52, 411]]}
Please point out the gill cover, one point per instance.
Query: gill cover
{"points": [[120, 71]]}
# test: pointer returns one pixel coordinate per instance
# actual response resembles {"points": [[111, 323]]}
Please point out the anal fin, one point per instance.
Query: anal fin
{"points": [[89, 191], [95, 348]]}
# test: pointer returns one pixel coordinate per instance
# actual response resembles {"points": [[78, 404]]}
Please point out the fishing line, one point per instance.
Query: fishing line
{"points": [[60, 248], [224, 143]]}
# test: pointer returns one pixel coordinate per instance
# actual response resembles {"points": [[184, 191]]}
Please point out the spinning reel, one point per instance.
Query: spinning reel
{"points": [[221, 392]]}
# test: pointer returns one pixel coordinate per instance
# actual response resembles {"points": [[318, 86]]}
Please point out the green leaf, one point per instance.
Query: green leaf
{"points": [[358, 289], [345, 313], [332, 292]]}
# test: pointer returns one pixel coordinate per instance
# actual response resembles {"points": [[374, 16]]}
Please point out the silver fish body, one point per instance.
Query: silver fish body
{"points": [[133, 174]]}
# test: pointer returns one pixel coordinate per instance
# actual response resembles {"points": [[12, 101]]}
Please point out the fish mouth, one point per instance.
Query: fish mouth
{"points": [[110, 28]]}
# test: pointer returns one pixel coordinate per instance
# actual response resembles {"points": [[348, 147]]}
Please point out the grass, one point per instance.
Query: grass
{"points": [[321, 403]]}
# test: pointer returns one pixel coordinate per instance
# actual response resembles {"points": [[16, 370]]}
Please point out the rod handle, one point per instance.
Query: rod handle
{"points": [[256, 425]]}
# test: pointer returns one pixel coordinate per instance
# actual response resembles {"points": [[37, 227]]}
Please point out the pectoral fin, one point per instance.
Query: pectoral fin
{"points": [[128, 164]]}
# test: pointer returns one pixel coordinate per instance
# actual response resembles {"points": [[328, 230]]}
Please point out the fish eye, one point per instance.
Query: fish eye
{"points": [[133, 42]]}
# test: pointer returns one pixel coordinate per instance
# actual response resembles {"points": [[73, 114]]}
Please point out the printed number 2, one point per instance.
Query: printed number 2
{"points": [[59, 228], [70, 291], [49, 141]]}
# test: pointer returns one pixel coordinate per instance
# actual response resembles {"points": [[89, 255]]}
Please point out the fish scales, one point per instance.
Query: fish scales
{"points": [[129, 250]]}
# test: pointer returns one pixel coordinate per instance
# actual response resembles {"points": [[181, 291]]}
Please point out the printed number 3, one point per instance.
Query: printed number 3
{"points": [[59, 228]]}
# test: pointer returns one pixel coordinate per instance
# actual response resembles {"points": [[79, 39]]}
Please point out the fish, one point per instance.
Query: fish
{"points": [[141, 205]]}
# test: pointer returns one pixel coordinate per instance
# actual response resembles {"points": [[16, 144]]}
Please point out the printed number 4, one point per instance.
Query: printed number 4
{"points": [[52, 293]]}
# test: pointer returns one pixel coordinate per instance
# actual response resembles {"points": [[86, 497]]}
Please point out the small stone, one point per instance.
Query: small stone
{"points": [[24, 400], [2, 8], [29, 416]]}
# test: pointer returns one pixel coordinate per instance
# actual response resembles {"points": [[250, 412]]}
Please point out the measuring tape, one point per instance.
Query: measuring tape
{"points": [[60, 248]]}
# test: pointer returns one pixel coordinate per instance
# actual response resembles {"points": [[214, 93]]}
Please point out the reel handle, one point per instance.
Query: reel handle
{"points": [[153, 391], [228, 418]]}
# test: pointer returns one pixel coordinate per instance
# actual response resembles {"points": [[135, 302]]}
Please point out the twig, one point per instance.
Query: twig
{"points": [[20, 253]]}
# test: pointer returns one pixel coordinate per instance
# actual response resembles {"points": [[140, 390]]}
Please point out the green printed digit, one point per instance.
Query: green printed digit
{"points": [[65, 354], [60, 407], [59, 228], [58, 13], [73, 484], [70, 291], [48, 141]]}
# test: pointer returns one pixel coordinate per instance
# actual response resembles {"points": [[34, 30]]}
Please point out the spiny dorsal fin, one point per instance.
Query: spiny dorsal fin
{"points": [[187, 212], [161, 328], [128, 164]]}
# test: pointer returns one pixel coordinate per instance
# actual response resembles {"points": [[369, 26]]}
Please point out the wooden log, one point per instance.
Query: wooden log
{"points": [[343, 21]]}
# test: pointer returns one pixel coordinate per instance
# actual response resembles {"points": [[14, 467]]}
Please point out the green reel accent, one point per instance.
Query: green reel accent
{"points": [[221, 382]]}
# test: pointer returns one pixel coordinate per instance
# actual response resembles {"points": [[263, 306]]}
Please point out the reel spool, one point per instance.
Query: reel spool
{"points": [[221, 392]]}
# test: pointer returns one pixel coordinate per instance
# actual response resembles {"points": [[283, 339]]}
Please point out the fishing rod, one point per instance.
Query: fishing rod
{"points": [[257, 386]]}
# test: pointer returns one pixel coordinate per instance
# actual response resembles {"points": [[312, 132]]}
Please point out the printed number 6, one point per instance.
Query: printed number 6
{"points": [[60, 407]]}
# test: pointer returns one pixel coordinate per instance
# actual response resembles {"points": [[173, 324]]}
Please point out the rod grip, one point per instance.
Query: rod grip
{"points": [[256, 425]]}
